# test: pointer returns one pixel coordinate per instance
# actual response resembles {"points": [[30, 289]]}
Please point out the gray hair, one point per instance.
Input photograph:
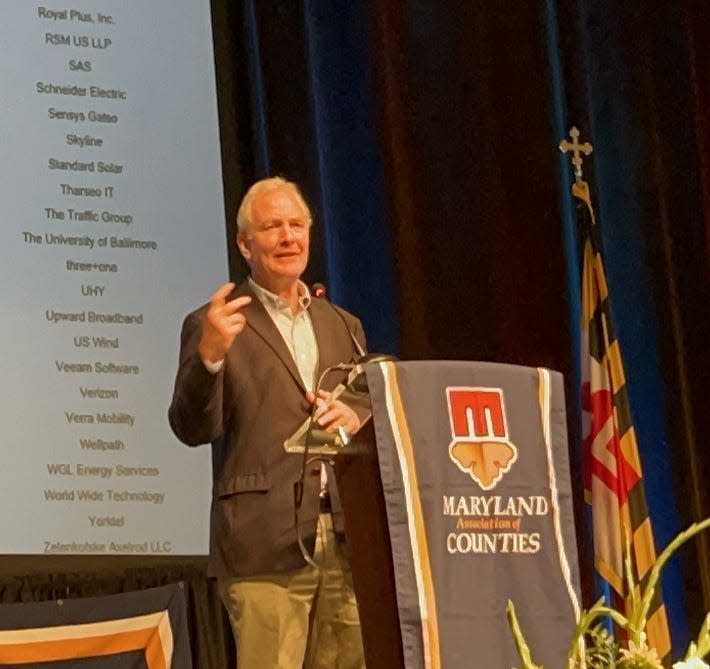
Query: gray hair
{"points": [[260, 188]]}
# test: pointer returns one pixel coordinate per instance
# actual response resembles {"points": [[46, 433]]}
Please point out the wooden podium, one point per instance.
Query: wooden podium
{"points": [[360, 488]]}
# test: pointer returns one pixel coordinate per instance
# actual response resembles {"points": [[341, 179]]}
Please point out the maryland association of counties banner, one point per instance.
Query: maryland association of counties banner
{"points": [[133, 630], [475, 473]]}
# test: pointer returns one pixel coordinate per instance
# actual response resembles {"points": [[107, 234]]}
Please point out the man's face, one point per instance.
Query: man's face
{"points": [[276, 245]]}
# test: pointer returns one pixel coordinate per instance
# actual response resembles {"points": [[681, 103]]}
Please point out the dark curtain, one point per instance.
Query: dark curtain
{"points": [[469, 101], [644, 95], [446, 116], [424, 134]]}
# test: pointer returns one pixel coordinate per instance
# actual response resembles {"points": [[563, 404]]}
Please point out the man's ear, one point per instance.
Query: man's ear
{"points": [[243, 245]]}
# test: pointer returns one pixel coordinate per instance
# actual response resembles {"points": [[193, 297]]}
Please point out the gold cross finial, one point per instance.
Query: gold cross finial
{"points": [[576, 148]]}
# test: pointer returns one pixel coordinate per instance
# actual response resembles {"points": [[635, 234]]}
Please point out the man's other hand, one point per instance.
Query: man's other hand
{"points": [[333, 414]]}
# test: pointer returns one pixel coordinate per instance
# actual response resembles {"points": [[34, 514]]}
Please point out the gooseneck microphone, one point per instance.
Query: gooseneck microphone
{"points": [[319, 290], [356, 381]]}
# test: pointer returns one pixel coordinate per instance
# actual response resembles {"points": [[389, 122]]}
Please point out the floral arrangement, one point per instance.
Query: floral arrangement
{"points": [[593, 647]]}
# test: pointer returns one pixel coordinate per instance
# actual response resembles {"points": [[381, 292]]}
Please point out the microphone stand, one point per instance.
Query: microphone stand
{"points": [[300, 485], [359, 384]]}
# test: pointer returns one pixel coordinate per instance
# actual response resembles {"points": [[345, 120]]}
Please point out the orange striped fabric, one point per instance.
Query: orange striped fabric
{"points": [[149, 633]]}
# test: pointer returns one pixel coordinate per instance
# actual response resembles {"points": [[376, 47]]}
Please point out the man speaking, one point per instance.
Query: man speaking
{"points": [[249, 364]]}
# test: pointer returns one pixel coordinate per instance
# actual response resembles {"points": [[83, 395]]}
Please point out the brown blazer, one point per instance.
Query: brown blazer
{"points": [[246, 411]]}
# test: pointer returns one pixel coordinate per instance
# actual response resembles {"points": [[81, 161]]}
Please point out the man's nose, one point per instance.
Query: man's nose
{"points": [[287, 233]]}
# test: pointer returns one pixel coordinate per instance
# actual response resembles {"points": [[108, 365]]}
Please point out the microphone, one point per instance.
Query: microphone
{"points": [[319, 290], [356, 380]]}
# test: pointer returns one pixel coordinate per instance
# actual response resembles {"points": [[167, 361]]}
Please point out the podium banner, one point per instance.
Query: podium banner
{"points": [[475, 474]]}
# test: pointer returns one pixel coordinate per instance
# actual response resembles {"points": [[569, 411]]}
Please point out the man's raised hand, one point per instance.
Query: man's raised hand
{"points": [[223, 322]]}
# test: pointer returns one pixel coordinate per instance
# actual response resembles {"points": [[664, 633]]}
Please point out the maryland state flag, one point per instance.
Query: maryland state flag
{"points": [[613, 475]]}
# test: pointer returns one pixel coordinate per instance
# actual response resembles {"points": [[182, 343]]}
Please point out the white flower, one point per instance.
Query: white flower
{"points": [[692, 663]]}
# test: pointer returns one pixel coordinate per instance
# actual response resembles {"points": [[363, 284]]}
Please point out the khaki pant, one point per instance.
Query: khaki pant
{"points": [[305, 618]]}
